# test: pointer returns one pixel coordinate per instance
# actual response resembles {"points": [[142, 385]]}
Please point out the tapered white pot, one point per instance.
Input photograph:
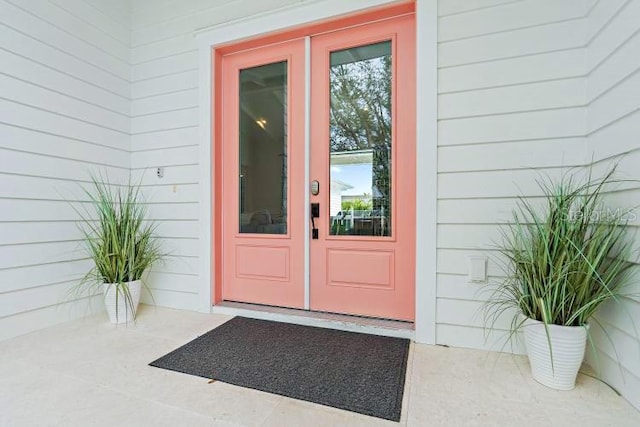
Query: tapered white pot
{"points": [[115, 300], [568, 345]]}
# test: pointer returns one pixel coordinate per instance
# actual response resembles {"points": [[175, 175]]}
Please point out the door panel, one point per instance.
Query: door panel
{"points": [[263, 173], [363, 154]]}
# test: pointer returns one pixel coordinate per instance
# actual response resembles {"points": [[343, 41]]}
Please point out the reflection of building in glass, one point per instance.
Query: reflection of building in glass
{"points": [[353, 195], [355, 172], [337, 187]]}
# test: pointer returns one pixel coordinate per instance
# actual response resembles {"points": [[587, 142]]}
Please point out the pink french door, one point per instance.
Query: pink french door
{"points": [[361, 149], [263, 173]]}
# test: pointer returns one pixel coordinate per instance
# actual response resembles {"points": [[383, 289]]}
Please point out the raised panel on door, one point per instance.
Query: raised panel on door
{"points": [[263, 173], [363, 156]]}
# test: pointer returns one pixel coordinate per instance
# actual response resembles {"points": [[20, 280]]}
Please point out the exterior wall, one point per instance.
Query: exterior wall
{"points": [[64, 112], [511, 106], [613, 68], [164, 128], [524, 87]]}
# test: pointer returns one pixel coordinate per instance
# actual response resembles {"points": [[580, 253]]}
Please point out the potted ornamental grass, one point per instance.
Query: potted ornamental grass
{"points": [[121, 242], [561, 263]]}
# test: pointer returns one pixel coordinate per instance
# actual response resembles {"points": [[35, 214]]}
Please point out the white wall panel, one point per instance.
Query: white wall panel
{"points": [[616, 32], [520, 70], [165, 102], [25, 116], [86, 35], [164, 139], [569, 122], [620, 64], [510, 155], [172, 193], [52, 101], [41, 74], [494, 184], [450, 7], [614, 126], [38, 142], [64, 114], [527, 41], [35, 18], [175, 119], [509, 99], [29, 321], [39, 51], [478, 338], [118, 10], [510, 16], [165, 84], [96, 18], [21, 163], [16, 278]]}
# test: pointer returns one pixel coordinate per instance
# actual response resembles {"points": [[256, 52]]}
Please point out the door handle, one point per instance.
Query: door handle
{"points": [[315, 213]]}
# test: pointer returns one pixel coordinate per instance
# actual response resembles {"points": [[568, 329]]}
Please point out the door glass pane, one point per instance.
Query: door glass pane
{"points": [[360, 141], [263, 149]]}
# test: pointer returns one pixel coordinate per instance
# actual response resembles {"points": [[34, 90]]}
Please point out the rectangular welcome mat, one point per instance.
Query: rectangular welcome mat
{"points": [[347, 370]]}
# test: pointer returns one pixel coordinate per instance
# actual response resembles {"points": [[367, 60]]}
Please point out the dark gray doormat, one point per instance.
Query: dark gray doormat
{"points": [[357, 372]]}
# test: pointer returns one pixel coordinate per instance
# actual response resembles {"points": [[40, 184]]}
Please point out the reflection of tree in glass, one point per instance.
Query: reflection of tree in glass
{"points": [[357, 204], [361, 119]]}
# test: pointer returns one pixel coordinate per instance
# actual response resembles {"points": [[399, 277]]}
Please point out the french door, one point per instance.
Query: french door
{"points": [[361, 168]]}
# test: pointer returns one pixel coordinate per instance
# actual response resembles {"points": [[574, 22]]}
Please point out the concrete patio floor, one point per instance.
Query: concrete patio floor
{"points": [[89, 373]]}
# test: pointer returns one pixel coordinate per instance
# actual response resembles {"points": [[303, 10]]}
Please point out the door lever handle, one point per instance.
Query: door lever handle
{"points": [[315, 213]]}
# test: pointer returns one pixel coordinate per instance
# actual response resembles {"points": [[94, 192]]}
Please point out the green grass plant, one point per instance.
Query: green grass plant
{"points": [[118, 238], [564, 261]]}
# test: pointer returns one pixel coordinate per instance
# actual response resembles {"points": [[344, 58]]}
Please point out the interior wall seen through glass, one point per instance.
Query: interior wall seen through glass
{"points": [[263, 149]]}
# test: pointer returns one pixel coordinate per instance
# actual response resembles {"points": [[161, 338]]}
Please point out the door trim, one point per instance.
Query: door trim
{"points": [[307, 166], [211, 40]]}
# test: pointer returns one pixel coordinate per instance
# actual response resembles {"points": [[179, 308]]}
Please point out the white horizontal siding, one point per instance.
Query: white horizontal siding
{"points": [[519, 42], [24, 116], [41, 74], [511, 71], [512, 109], [478, 338], [58, 312], [166, 102], [496, 156], [548, 95], [45, 166], [39, 275], [492, 184], [42, 21], [511, 16], [52, 101], [164, 139], [165, 84], [613, 62], [12, 256], [18, 41], [164, 127], [97, 15], [37, 141], [64, 114], [559, 123], [450, 7]]}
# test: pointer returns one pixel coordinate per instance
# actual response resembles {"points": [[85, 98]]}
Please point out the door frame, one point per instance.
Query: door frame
{"points": [[215, 41]]}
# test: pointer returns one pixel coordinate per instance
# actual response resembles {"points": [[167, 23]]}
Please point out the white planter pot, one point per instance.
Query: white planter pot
{"points": [[119, 310], [568, 344]]}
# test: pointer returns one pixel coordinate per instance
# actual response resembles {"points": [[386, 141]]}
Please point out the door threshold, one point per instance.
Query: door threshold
{"points": [[342, 322]]}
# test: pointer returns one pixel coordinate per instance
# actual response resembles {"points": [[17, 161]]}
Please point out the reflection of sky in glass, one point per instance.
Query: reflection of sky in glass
{"points": [[358, 176]]}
